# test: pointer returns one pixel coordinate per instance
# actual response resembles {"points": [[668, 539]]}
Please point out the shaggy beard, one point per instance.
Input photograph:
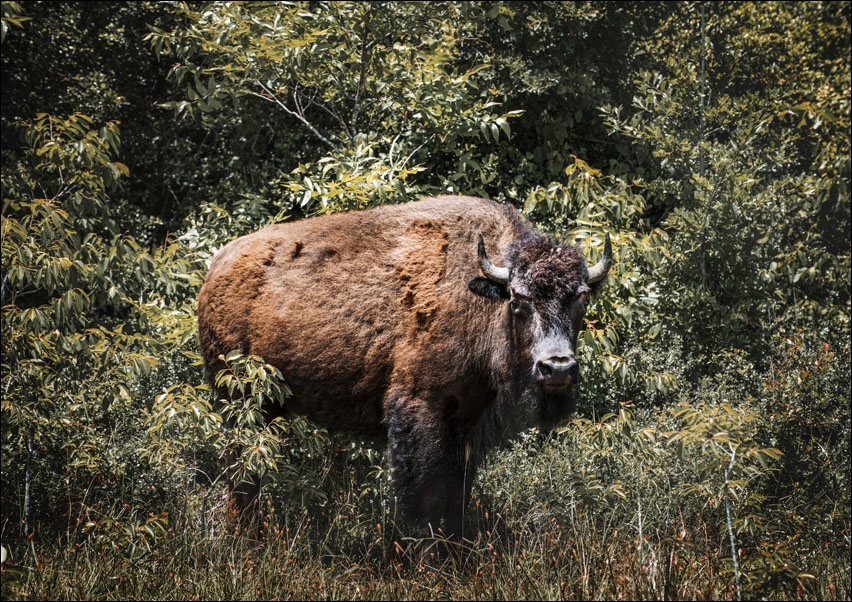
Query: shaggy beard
{"points": [[542, 408], [513, 414], [553, 408]]}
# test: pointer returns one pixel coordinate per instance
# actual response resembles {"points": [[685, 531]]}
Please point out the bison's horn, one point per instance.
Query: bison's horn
{"points": [[599, 270], [491, 271]]}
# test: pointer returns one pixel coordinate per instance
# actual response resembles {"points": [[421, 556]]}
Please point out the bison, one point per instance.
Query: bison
{"points": [[396, 321]]}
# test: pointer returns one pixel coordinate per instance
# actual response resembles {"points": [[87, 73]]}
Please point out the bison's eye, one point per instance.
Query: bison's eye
{"points": [[519, 308], [581, 303]]}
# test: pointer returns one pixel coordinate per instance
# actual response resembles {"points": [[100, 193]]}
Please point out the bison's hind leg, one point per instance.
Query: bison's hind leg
{"points": [[245, 514]]}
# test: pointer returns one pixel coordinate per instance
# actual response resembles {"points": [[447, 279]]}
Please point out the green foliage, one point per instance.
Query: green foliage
{"points": [[66, 275], [250, 384], [754, 181], [12, 17], [88, 58], [372, 85], [275, 52], [554, 61], [668, 479], [131, 537]]}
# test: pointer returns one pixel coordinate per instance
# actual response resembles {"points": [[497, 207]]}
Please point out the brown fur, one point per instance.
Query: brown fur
{"points": [[380, 322]]}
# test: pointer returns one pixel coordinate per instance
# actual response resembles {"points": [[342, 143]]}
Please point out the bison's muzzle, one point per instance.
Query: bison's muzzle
{"points": [[557, 373]]}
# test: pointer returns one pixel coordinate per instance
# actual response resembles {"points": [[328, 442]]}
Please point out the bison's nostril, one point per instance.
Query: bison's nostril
{"points": [[573, 370], [557, 371]]}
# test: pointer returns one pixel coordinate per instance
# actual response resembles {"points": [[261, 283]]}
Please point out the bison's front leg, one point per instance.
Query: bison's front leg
{"points": [[428, 468]]}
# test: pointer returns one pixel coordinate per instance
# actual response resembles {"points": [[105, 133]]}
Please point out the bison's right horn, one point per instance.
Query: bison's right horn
{"points": [[598, 271], [492, 272]]}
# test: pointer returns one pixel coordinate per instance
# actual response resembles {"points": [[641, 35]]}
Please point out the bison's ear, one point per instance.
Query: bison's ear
{"points": [[488, 289]]}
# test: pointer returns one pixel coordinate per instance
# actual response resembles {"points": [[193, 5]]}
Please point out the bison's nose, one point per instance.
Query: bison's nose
{"points": [[557, 371]]}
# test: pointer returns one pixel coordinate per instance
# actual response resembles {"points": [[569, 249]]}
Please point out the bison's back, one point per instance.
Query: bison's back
{"points": [[337, 302]]}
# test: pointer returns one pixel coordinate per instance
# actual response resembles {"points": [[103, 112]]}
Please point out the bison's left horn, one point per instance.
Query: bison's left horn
{"points": [[599, 270], [491, 271]]}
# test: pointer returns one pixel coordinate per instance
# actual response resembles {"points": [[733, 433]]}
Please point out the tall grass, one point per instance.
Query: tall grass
{"points": [[559, 528], [591, 557]]}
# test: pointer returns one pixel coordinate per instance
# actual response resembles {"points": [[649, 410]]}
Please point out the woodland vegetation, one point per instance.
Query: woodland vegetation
{"points": [[710, 455]]}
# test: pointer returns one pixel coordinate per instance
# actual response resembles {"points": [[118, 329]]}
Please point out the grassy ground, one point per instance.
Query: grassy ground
{"points": [[348, 553]]}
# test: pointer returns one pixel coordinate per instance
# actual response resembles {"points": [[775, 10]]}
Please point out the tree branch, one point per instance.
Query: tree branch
{"points": [[410, 155], [362, 80], [339, 119], [297, 114]]}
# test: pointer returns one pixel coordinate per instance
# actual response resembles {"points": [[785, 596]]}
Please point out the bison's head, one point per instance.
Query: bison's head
{"points": [[546, 287]]}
